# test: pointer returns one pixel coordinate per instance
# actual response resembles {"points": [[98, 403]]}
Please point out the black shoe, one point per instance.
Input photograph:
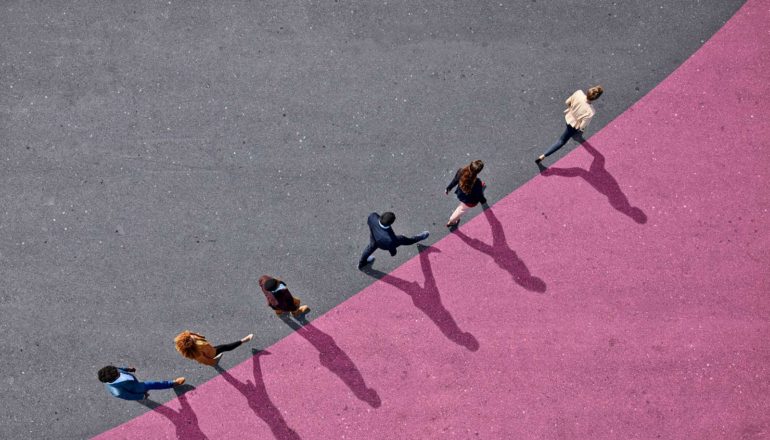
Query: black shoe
{"points": [[369, 260]]}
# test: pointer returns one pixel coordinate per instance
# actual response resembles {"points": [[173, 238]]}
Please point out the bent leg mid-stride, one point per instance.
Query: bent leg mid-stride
{"points": [[381, 236], [565, 136], [454, 219], [367, 256], [406, 241], [160, 384]]}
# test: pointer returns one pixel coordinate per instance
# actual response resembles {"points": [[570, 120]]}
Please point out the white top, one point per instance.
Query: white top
{"points": [[579, 112]]}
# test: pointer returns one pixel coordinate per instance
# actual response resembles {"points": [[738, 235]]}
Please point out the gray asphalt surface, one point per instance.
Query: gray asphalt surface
{"points": [[158, 157]]}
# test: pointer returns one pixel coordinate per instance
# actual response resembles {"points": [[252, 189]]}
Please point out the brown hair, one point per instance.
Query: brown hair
{"points": [[594, 93], [185, 344], [468, 175]]}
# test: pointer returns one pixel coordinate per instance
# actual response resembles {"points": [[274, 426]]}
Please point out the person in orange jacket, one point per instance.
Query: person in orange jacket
{"points": [[195, 346]]}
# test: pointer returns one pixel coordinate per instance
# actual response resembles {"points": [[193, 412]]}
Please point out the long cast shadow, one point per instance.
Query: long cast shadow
{"points": [[258, 399], [335, 360], [185, 421], [601, 180], [428, 299], [503, 255]]}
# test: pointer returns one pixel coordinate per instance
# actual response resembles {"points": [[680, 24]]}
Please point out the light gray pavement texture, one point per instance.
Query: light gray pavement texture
{"points": [[157, 157]]}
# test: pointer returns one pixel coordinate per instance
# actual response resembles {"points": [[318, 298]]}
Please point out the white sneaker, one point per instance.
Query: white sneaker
{"points": [[369, 260]]}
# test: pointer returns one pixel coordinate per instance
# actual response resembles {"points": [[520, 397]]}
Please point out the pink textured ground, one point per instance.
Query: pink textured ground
{"points": [[622, 294]]}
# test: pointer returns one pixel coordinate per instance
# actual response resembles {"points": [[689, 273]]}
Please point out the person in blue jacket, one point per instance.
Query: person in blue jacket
{"points": [[382, 237], [124, 385]]}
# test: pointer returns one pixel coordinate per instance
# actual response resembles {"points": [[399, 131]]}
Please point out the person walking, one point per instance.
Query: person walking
{"points": [[279, 298], [381, 236], [577, 116], [470, 190], [195, 346], [124, 385]]}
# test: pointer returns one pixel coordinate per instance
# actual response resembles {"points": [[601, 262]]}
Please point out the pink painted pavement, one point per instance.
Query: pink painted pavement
{"points": [[622, 294]]}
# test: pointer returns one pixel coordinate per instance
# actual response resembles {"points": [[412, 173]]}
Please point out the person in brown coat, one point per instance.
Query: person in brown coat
{"points": [[279, 298], [195, 346]]}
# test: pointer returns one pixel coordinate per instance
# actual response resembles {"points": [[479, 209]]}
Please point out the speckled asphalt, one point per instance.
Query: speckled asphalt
{"points": [[621, 294], [159, 157]]}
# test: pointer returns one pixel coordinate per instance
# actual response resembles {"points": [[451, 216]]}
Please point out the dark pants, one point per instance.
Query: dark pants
{"points": [[157, 385], [569, 132], [286, 302], [400, 240], [227, 347]]}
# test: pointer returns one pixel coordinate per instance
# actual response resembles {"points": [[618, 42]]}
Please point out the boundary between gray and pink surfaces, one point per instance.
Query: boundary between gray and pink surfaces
{"points": [[621, 294]]}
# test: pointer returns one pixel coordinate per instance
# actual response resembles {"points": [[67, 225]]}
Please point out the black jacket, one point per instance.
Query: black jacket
{"points": [[385, 238], [477, 192]]}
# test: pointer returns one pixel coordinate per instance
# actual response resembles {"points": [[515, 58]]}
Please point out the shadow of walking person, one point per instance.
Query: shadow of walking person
{"points": [[185, 421], [335, 360], [258, 399], [502, 254], [601, 180], [428, 299]]}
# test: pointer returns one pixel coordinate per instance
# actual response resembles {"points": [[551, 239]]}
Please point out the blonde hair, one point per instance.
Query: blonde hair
{"points": [[594, 93]]}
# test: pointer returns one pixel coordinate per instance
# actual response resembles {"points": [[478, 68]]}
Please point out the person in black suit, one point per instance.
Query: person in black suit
{"points": [[383, 237]]}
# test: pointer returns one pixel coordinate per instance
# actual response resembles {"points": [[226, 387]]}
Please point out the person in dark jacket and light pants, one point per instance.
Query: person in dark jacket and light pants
{"points": [[381, 236], [470, 190]]}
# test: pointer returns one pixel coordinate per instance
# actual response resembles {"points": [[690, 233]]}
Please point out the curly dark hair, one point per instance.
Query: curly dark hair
{"points": [[108, 374], [468, 175]]}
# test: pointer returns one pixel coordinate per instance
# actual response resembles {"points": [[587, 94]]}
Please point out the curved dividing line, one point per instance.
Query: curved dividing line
{"points": [[548, 371]]}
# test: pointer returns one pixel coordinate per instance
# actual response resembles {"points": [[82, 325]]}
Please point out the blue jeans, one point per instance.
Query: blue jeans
{"points": [[569, 132], [157, 385]]}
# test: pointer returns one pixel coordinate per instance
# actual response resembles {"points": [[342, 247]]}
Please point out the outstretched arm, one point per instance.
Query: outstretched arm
{"points": [[454, 182]]}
